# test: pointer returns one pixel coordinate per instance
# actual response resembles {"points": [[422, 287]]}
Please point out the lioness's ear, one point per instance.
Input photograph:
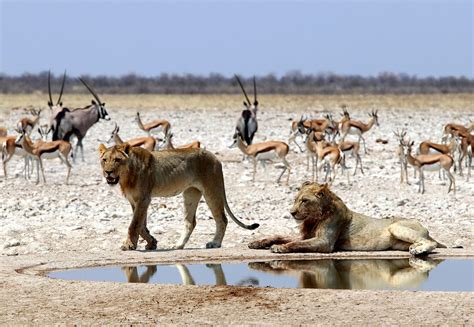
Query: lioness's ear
{"points": [[306, 183], [124, 148], [325, 186], [102, 149]]}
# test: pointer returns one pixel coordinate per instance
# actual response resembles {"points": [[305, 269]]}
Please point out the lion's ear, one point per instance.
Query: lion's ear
{"points": [[102, 149], [125, 148], [307, 183]]}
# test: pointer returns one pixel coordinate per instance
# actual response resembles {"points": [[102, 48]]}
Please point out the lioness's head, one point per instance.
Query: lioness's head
{"points": [[312, 201], [114, 161]]}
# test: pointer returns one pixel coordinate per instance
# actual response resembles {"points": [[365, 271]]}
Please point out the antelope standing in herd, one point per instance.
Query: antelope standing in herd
{"points": [[155, 126], [146, 142], [247, 124], [78, 121], [28, 124], [429, 162], [264, 151], [321, 151], [46, 150], [356, 127]]}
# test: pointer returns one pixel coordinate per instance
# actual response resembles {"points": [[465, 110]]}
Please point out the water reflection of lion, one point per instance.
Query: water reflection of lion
{"points": [[352, 274], [327, 224]]}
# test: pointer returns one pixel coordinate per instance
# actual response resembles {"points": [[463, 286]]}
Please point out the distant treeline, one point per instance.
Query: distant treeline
{"points": [[290, 83]]}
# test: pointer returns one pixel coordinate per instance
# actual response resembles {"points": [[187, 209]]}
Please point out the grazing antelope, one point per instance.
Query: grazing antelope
{"points": [[154, 126], [46, 150], [429, 162], [247, 124], [78, 121], [356, 127], [146, 142], [168, 144], [264, 151], [401, 156], [9, 148], [28, 124], [3, 131]]}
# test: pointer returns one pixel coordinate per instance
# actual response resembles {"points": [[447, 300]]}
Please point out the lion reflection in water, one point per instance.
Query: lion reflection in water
{"points": [[352, 274]]}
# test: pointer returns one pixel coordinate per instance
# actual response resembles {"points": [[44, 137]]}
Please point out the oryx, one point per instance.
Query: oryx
{"points": [[247, 124], [78, 121]]}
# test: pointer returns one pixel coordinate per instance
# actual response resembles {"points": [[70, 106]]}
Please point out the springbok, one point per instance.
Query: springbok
{"points": [[401, 156], [323, 152], [450, 129], [78, 121], [429, 162], [356, 127], [159, 125], [168, 144], [146, 142], [28, 124], [9, 148], [467, 144], [264, 151], [46, 150], [247, 124]]}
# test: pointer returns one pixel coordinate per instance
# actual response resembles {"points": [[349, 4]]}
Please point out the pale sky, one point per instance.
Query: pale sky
{"points": [[426, 38]]}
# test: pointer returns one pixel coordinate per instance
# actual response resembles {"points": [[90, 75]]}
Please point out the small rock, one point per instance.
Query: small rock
{"points": [[11, 243], [402, 202]]}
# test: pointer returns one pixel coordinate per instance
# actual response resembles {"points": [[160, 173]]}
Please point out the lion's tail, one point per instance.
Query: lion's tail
{"points": [[238, 222]]}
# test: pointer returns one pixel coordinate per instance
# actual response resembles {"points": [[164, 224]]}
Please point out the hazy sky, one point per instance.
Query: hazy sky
{"points": [[247, 37]]}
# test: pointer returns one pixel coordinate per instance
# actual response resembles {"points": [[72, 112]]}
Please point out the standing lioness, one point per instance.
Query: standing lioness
{"points": [[143, 175]]}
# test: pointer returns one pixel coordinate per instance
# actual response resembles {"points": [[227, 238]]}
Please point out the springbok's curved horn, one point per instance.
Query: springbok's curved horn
{"points": [[91, 91], [62, 88], [243, 90], [255, 102], [49, 88]]}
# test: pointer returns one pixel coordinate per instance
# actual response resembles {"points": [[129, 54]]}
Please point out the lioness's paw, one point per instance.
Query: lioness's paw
{"points": [[152, 245], [128, 245], [257, 245], [278, 249], [213, 245]]}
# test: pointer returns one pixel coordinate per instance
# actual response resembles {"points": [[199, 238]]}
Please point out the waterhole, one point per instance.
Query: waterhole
{"points": [[398, 274]]}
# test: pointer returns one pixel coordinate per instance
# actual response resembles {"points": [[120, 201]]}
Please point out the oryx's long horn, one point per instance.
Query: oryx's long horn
{"points": [[243, 90], [91, 91], [62, 88], [255, 102], [49, 88]]}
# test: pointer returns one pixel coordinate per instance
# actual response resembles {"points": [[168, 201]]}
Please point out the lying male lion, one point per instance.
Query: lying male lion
{"points": [[326, 225], [143, 175]]}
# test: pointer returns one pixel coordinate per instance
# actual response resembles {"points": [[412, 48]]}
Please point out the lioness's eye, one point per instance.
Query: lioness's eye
{"points": [[104, 160], [304, 200], [117, 159]]}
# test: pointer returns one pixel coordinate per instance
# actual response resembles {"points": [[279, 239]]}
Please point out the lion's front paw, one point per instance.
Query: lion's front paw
{"points": [[279, 249], [152, 245], [213, 245], [128, 245], [257, 245]]}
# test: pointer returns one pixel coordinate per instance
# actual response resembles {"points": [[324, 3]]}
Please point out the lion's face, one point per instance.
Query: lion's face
{"points": [[310, 201], [114, 161]]}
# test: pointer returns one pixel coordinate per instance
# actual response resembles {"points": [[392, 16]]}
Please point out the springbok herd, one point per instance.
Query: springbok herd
{"points": [[329, 143]]}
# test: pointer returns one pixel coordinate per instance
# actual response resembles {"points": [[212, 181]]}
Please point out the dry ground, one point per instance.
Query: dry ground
{"points": [[88, 220]]}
